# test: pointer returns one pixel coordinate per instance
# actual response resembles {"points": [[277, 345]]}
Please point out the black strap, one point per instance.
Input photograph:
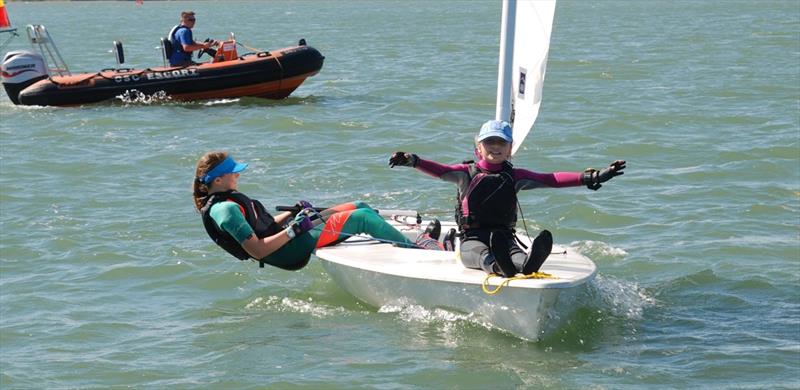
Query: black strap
{"points": [[514, 233]]}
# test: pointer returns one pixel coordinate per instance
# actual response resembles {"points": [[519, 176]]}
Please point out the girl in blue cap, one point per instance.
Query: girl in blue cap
{"points": [[486, 211], [243, 227]]}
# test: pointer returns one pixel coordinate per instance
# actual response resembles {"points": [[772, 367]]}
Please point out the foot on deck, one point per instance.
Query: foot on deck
{"points": [[425, 241], [502, 256], [434, 229], [542, 245], [450, 240]]}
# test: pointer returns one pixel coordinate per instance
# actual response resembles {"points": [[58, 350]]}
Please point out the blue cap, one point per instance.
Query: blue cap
{"points": [[495, 128], [228, 165]]}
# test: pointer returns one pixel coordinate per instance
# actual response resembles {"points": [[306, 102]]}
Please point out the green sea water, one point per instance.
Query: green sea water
{"points": [[108, 280]]}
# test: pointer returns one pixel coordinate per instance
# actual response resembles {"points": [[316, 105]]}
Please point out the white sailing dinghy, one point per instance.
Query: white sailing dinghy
{"points": [[381, 274]]}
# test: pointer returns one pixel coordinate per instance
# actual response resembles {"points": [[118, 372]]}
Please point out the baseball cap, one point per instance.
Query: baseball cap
{"points": [[495, 128]]}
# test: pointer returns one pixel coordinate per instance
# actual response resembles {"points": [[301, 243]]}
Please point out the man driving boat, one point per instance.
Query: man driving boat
{"points": [[183, 43]]}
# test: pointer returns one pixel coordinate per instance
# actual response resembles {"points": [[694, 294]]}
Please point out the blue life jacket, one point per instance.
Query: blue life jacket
{"points": [[178, 55]]}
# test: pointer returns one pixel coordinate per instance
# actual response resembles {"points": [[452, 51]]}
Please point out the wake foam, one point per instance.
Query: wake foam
{"points": [[620, 298], [294, 305], [133, 96], [595, 249]]}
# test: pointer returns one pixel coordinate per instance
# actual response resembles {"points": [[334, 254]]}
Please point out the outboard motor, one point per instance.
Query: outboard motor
{"points": [[20, 69]]}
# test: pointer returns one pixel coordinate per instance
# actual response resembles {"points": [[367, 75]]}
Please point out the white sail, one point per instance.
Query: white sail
{"points": [[520, 92]]}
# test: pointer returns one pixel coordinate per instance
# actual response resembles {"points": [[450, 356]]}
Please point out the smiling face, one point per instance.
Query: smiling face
{"points": [[494, 150]]}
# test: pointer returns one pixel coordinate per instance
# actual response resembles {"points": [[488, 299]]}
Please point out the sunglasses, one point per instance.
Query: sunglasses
{"points": [[191, 19]]}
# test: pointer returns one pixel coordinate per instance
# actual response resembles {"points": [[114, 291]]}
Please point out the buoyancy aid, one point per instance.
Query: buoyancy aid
{"points": [[176, 45], [489, 201], [255, 214]]}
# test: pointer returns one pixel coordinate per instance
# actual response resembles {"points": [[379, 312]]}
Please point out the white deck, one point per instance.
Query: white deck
{"points": [[570, 269]]}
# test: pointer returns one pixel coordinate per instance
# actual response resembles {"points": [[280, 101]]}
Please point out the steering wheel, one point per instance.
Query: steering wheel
{"points": [[211, 52]]}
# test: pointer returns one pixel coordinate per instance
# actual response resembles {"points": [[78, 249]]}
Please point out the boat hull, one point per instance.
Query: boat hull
{"points": [[272, 75], [380, 274]]}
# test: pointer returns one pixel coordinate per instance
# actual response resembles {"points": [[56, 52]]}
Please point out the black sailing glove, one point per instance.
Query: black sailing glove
{"points": [[403, 159], [301, 205], [592, 177]]}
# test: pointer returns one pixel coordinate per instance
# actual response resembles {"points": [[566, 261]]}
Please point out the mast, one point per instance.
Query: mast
{"points": [[524, 43], [504, 67]]}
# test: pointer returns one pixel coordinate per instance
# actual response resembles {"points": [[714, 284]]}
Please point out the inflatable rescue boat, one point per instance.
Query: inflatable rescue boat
{"points": [[272, 75]]}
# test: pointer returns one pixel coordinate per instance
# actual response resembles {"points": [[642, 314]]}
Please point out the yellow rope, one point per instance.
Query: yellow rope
{"points": [[250, 48], [535, 275]]}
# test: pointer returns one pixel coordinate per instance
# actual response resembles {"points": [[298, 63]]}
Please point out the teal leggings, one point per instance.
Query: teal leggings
{"points": [[335, 225]]}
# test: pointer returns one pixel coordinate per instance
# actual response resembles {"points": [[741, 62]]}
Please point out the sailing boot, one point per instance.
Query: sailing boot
{"points": [[429, 238], [542, 245], [434, 229], [425, 241], [450, 240], [499, 246]]}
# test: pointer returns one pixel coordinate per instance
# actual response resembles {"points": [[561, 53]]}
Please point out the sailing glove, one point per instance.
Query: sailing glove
{"points": [[592, 177], [301, 224], [303, 204], [403, 159]]}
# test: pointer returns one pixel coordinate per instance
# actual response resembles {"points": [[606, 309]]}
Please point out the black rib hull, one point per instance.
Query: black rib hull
{"points": [[274, 75]]}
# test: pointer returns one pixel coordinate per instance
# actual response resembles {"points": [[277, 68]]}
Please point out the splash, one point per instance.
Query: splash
{"points": [[595, 249], [448, 323], [220, 102], [416, 313], [294, 305], [133, 96], [621, 298]]}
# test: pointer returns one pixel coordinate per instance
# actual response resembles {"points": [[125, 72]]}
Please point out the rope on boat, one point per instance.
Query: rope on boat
{"points": [[506, 281], [251, 48]]}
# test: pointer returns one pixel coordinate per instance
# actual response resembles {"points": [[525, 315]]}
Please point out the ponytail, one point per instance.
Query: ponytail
{"points": [[205, 164]]}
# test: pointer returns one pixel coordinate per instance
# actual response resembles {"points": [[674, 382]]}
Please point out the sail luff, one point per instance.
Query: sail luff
{"points": [[504, 67], [533, 25]]}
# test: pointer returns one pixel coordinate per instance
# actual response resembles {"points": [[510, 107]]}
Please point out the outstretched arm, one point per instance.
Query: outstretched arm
{"points": [[591, 177], [452, 173], [527, 180]]}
